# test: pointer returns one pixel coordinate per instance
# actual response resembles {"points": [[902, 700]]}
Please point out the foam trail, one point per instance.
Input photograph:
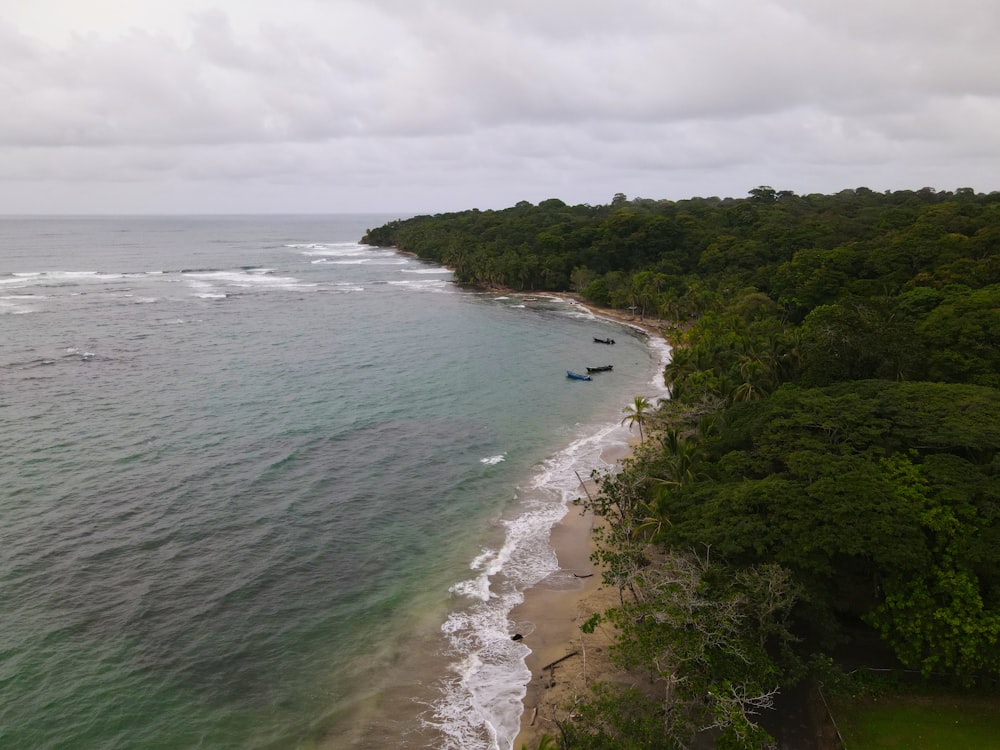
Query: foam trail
{"points": [[483, 698], [342, 250], [256, 278], [664, 352], [422, 285]]}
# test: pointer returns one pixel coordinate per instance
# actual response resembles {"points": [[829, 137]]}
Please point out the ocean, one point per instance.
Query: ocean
{"points": [[266, 487]]}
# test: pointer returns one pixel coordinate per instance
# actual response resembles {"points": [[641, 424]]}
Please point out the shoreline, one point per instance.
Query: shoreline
{"points": [[647, 326], [564, 661]]}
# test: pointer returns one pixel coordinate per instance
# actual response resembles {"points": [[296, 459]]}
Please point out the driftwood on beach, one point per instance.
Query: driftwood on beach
{"points": [[560, 659], [584, 485]]}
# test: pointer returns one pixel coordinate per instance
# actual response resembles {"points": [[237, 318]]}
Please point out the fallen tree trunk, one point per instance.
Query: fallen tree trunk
{"points": [[561, 659]]}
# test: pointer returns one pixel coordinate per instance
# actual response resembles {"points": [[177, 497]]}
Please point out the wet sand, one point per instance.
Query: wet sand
{"points": [[556, 615], [550, 618], [553, 611]]}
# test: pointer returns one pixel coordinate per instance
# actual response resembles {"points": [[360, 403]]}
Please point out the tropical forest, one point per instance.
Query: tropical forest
{"points": [[818, 500]]}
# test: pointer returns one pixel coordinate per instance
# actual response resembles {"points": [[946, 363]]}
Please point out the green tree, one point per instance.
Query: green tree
{"points": [[938, 622], [963, 337], [638, 413], [703, 632]]}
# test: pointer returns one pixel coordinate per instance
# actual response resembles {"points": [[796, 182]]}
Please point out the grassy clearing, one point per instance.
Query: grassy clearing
{"points": [[920, 723]]}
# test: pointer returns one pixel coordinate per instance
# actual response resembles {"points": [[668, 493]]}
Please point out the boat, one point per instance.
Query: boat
{"points": [[603, 368], [603, 341], [577, 376]]}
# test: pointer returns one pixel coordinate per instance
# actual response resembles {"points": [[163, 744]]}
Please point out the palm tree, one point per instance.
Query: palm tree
{"points": [[682, 455], [680, 365], [637, 412], [650, 519], [753, 375]]}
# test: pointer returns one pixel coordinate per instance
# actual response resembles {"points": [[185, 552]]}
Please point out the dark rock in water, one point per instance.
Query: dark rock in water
{"points": [[517, 637]]}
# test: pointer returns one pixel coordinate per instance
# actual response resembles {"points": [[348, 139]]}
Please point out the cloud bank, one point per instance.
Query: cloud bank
{"points": [[423, 105]]}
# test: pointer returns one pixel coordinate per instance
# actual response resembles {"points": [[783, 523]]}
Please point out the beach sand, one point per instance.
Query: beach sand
{"points": [[556, 613], [553, 611], [550, 618]]}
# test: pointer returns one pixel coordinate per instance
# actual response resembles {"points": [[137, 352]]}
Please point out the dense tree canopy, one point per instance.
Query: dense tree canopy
{"points": [[832, 440]]}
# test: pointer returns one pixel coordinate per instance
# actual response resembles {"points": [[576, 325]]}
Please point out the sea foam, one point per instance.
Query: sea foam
{"points": [[483, 697], [424, 285]]}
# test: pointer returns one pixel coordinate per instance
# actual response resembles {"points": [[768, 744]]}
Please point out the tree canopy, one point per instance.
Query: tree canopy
{"points": [[826, 469]]}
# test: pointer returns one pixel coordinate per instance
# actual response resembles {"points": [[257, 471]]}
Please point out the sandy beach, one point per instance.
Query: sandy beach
{"points": [[565, 661], [552, 615]]}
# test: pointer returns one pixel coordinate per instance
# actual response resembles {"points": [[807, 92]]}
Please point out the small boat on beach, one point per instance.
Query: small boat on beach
{"points": [[603, 368], [577, 376], [603, 341]]}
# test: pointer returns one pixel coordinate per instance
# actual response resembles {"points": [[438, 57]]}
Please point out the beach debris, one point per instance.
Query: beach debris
{"points": [[517, 637], [584, 485], [560, 660]]}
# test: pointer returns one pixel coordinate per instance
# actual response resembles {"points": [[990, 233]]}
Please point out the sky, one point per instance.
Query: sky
{"points": [[427, 106]]}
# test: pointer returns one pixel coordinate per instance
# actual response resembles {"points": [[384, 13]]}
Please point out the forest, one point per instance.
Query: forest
{"points": [[821, 488]]}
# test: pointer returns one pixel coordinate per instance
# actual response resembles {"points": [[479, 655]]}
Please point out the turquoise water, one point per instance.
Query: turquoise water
{"points": [[267, 488]]}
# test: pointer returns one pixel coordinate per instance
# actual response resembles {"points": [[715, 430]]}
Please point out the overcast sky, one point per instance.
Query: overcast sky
{"points": [[306, 106]]}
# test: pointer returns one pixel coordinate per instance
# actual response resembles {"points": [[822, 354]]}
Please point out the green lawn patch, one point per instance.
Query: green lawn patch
{"points": [[920, 723]]}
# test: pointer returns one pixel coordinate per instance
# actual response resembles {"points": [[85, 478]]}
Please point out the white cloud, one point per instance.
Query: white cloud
{"points": [[402, 102]]}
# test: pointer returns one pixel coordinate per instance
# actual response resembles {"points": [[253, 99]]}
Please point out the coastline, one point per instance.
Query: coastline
{"points": [[564, 661], [645, 326]]}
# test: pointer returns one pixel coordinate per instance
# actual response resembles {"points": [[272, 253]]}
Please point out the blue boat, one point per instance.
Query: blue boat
{"points": [[575, 376]]}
